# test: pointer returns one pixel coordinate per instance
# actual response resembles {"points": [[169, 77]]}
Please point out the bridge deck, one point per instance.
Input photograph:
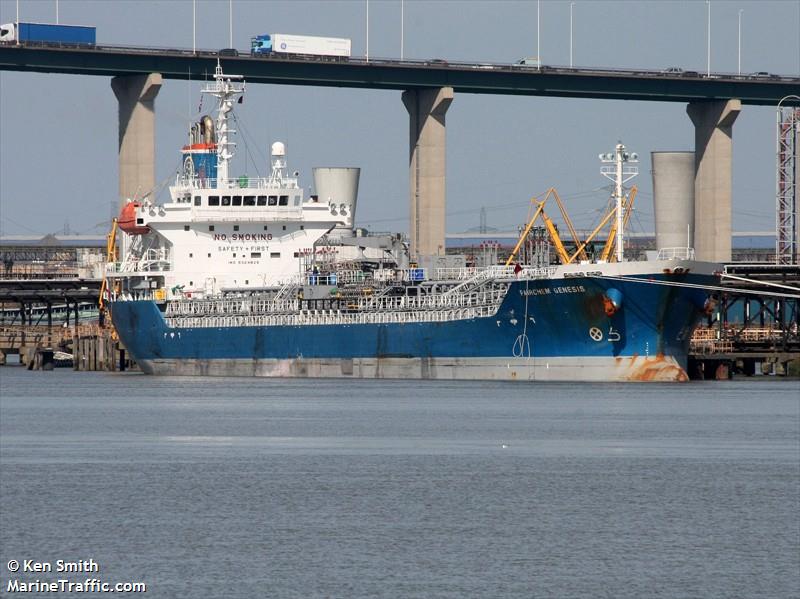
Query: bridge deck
{"points": [[389, 74]]}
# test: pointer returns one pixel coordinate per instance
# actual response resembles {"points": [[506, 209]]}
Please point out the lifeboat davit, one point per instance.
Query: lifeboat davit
{"points": [[127, 220]]}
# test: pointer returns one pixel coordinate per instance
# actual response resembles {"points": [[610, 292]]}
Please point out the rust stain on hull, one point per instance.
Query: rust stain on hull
{"points": [[657, 369]]}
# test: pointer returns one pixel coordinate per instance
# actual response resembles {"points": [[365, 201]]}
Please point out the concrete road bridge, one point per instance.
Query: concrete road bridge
{"points": [[713, 100]]}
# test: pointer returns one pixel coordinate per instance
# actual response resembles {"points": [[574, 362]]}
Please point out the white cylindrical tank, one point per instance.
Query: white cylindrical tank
{"points": [[339, 186], [673, 198]]}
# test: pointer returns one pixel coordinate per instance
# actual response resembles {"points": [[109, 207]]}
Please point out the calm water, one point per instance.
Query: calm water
{"points": [[286, 488]]}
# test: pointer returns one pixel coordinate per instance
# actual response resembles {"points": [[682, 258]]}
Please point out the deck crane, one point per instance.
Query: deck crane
{"points": [[551, 228], [111, 256], [580, 246]]}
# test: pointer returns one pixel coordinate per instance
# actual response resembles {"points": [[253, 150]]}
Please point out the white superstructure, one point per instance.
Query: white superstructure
{"points": [[218, 232]]}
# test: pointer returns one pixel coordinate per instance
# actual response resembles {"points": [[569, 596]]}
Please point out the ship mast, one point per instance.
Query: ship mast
{"points": [[227, 91], [620, 173]]}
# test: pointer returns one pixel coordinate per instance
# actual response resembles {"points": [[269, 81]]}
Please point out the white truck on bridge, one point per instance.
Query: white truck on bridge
{"points": [[308, 45]]}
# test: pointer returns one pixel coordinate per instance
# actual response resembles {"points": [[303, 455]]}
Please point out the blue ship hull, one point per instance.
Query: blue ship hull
{"points": [[554, 329]]}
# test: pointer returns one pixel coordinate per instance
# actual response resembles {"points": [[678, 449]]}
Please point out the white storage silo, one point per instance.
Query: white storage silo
{"points": [[338, 185], [673, 198]]}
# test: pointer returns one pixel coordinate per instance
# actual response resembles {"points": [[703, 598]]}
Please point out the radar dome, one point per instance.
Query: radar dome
{"points": [[278, 149]]}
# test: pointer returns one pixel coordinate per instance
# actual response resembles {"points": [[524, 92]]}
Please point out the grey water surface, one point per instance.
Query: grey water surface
{"points": [[205, 487]]}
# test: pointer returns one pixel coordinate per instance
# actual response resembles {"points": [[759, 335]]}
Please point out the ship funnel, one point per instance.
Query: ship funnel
{"points": [[339, 186], [673, 199], [207, 128]]}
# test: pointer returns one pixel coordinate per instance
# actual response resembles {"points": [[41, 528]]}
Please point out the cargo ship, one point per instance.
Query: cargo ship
{"points": [[246, 276]]}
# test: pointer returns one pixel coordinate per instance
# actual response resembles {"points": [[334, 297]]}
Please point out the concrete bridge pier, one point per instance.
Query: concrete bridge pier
{"points": [[713, 141], [136, 95], [427, 158]]}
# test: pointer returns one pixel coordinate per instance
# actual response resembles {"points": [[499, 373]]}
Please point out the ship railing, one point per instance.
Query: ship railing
{"points": [[287, 289], [481, 276], [478, 279], [371, 304], [139, 295], [521, 272], [295, 279], [328, 317], [152, 260], [350, 277], [128, 267], [428, 302], [384, 275], [207, 307], [233, 183], [412, 275], [456, 274], [495, 272], [679, 253], [322, 279]]}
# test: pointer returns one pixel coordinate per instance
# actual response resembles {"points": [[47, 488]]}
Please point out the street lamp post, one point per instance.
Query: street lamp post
{"points": [[708, 36], [571, 5], [367, 51], [402, 26], [740, 40], [538, 29]]}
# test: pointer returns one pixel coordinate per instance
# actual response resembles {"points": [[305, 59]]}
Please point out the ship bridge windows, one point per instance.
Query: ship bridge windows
{"points": [[237, 200], [297, 200], [226, 200], [273, 200], [213, 200], [284, 201], [262, 200], [249, 201], [197, 200]]}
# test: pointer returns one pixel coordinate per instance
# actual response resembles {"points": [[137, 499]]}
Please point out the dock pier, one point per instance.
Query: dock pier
{"points": [[93, 348]]}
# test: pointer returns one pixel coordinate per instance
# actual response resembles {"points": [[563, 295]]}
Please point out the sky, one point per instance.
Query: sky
{"points": [[58, 133]]}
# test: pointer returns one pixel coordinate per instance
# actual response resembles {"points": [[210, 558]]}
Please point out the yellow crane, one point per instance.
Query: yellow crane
{"points": [[111, 256], [563, 255], [581, 253], [580, 246]]}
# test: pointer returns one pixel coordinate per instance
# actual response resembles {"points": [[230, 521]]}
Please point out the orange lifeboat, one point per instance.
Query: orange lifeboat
{"points": [[127, 220]]}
